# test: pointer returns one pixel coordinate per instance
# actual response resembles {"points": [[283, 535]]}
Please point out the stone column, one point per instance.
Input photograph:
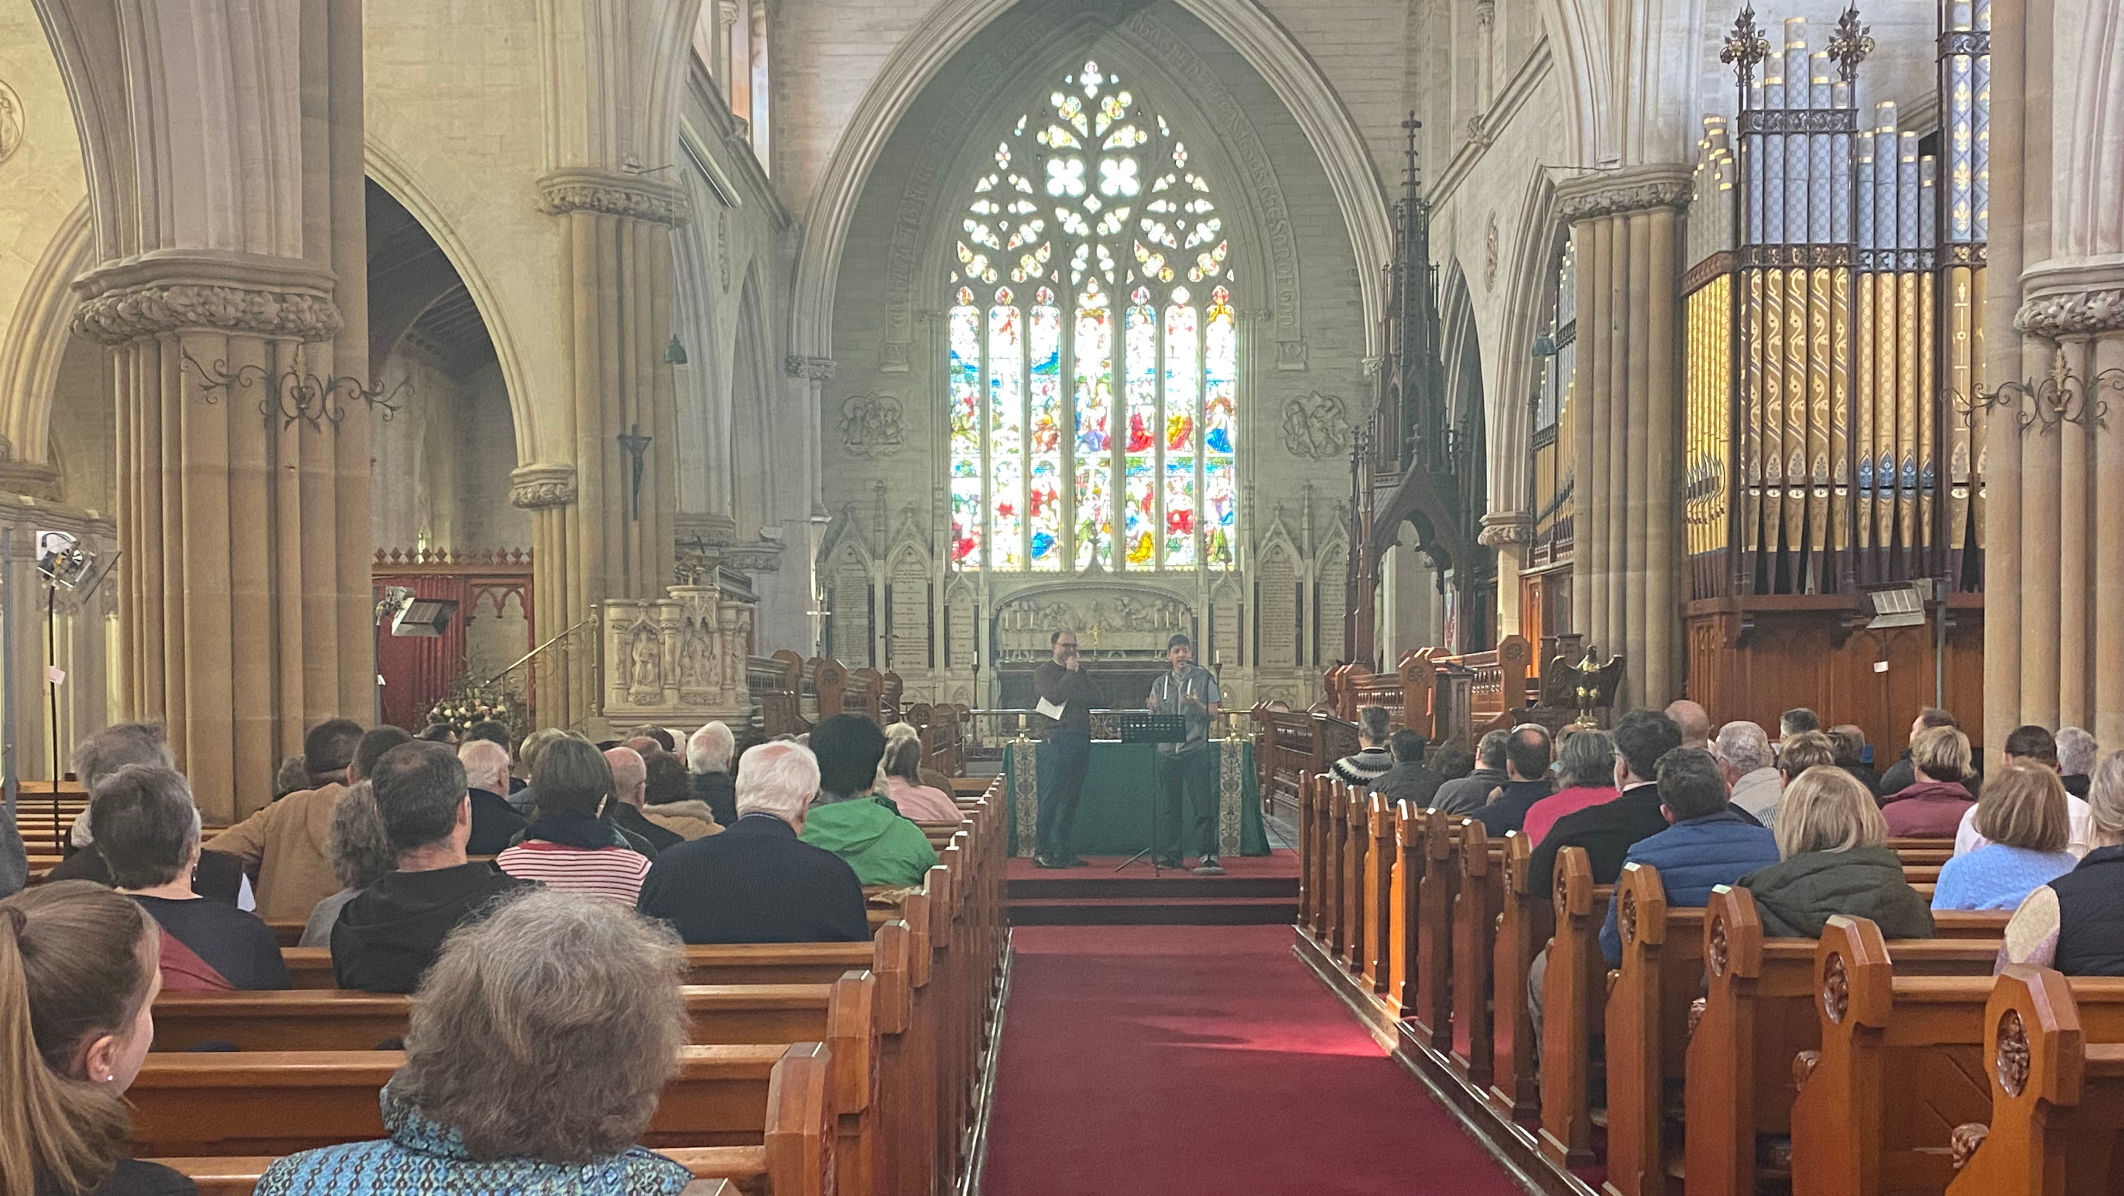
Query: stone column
{"points": [[1626, 445], [612, 537], [1510, 533], [2054, 540]]}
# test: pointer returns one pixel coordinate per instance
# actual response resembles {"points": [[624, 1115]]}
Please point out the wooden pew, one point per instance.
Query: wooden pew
{"points": [[1432, 1013], [1574, 1000], [1409, 864], [1380, 860], [1356, 814], [2056, 1080], [1884, 1033], [1646, 1019], [1524, 926], [1476, 905], [1759, 1013], [775, 683], [710, 1164], [278, 1102], [749, 963]]}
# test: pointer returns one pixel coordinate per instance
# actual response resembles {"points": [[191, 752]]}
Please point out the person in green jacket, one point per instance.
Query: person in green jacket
{"points": [[848, 820]]}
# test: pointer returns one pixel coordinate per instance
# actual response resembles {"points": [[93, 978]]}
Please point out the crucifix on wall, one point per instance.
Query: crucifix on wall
{"points": [[635, 445]]}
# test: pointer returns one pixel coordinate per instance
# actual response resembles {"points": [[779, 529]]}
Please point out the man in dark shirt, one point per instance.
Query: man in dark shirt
{"points": [[386, 937], [1465, 795], [1068, 697], [1526, 781], [1408, 781], [495, 823], [757, 882], [1607, 830]]}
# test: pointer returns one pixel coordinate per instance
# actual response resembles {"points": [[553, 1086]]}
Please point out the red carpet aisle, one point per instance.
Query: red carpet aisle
{"points": [[1169, 1060]]}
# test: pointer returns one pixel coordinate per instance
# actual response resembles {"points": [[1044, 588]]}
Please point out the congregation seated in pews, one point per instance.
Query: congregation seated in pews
{"points": [[783, 1059], [1713, 974]]}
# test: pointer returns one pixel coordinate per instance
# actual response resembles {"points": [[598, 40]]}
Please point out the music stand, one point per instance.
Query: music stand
{"points": [[1141, 726]]}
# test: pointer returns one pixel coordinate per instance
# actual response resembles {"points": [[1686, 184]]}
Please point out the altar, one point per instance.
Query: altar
{"points": [[1114, 817]]}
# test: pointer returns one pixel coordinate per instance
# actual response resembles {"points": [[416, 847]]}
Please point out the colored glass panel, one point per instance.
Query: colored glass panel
{"points": [[1043, 501], [1006, 441], [1060, 422], [1140, 514], [1220, 494], [1182, 377], [1180, 510], [1141, 344], [1094, 358], [1220, 376]]}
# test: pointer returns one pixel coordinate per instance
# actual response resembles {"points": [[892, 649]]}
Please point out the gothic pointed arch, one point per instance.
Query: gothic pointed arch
{"points": [[924, 53]]}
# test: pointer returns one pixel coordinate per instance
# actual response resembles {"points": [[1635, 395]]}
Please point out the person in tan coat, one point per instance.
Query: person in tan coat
{"points": [[285, 842]]}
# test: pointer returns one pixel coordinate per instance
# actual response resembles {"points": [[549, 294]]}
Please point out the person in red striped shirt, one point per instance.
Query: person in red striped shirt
{"points": [[569, 846]]}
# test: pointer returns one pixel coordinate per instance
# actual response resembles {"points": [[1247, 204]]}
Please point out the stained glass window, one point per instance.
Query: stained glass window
{"points": [[1092, 373]]}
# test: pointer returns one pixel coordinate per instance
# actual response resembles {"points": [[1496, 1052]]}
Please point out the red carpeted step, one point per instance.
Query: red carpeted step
{"points": [[1205, 1059], [1166, 911]]}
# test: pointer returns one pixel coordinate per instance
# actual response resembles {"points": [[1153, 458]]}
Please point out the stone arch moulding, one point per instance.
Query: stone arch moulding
{"points": [[1266, 46], [392, 174], [35, 346], [1535, 241], [1230, 153]]}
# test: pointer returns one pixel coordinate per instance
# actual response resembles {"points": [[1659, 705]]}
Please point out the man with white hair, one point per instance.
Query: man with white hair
{"points": [[495, 823], [708, 763], [630, 784], [757, 882], [1743, 751]]}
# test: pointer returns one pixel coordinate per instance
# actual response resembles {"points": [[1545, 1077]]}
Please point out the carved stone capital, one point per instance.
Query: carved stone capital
{"points": [[812, 369], [206, 291], [31, 478], [636, 196], [709, 530], [1636, 189], [763, 557], [534, 486], [1506, 527], [2080, 298]]}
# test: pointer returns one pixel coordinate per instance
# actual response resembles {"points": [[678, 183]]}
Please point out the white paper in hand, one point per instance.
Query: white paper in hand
{"points": [[1047, 709]]}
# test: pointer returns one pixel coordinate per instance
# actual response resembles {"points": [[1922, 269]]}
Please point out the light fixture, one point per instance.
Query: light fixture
{"points": [[424, 618], [1545, 346], [1898, 605], [674, 353]]}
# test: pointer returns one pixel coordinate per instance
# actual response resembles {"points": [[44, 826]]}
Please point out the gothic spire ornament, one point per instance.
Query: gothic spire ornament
{"points": [[1851, 45], [1745, 48]]}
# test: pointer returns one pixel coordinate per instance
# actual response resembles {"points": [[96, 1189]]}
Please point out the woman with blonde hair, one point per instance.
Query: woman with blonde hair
{"points": [[2023, 819], [1931, 807], [539, 1043], [1836, 861], [79, 969], [2076, 922]]}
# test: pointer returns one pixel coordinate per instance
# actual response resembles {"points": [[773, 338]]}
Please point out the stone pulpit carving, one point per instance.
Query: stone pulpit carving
{"points": [[678, 660]]}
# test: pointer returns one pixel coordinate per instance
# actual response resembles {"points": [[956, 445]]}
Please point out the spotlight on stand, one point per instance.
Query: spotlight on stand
{"points": [[424, 617], [61, 561], [1898, 605]]}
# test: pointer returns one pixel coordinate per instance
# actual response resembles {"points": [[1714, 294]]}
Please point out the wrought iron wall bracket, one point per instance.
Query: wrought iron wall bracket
{"points": [[296, 394], [2061, 398]]}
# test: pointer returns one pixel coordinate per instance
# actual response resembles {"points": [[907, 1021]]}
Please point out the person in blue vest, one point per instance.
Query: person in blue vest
{"points": [[1185, 773]]}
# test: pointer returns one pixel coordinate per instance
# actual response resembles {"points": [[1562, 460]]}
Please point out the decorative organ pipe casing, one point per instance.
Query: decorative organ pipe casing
{"points": [[1823, 451]]}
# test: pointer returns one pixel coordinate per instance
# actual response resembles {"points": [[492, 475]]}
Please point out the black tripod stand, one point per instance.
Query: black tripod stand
{"points": [[1137, 726]]}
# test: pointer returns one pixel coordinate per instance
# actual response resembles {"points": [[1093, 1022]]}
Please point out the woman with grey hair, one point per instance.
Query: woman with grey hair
{"points": [[147, 830], [1585, 767], [539, 1043], [361, 855], [2077, 751]]}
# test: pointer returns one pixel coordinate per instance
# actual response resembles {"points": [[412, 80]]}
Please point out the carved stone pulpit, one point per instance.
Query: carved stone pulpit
{"points": [[677, 660]]}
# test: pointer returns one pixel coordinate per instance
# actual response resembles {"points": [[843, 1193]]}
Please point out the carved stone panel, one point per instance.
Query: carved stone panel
{"points": [[1332, 599], [848, 597], [961, 636], [1108, 619], [1276, 608], [908, 630], [1317, 427], [678, 658]]}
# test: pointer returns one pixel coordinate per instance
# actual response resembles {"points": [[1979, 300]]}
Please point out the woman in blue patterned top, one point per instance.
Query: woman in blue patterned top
{"points": [[2023, 813], [539, 1043]]}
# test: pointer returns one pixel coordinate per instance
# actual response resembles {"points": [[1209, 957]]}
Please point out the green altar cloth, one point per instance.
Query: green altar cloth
{"points": [[1114, 817]]}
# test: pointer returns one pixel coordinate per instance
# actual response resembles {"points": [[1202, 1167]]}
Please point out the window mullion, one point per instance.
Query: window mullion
{"points": [[1158, 513], [984, 397], [1066, 430]]}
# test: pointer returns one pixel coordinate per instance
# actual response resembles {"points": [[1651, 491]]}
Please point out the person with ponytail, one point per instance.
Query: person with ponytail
{"points": [[79, 970]]}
